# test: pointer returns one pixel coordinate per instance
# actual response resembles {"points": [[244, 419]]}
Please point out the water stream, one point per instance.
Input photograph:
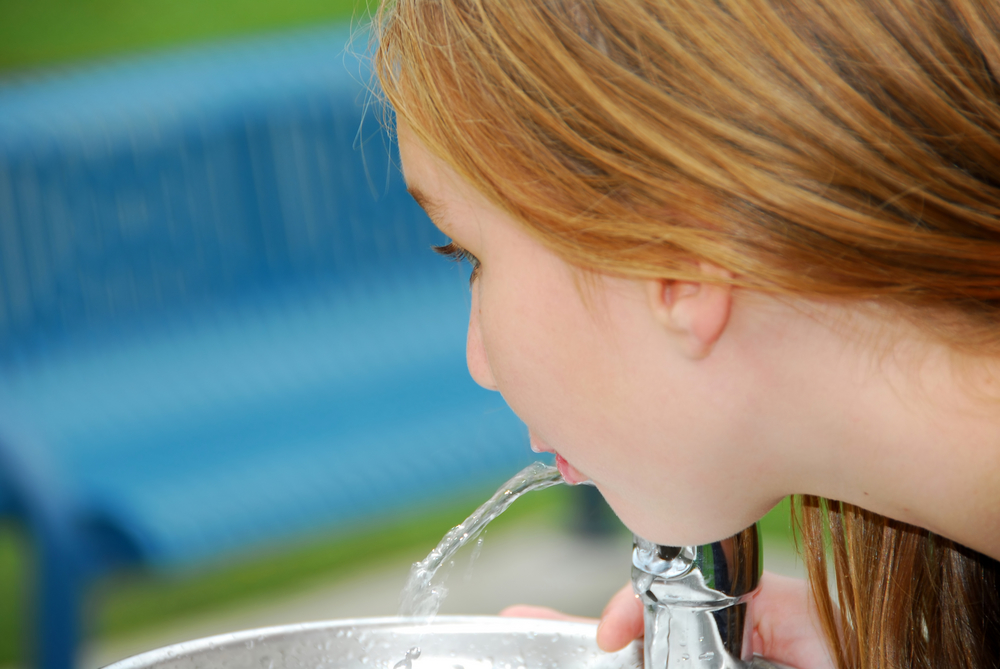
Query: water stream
{"points": [[422, 598]]}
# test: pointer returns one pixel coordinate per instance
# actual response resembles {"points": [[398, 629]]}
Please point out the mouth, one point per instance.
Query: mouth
{"points": [[571, 474]]}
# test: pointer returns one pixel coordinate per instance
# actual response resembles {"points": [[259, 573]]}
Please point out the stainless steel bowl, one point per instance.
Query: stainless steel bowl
{"points": [[447, 642]]}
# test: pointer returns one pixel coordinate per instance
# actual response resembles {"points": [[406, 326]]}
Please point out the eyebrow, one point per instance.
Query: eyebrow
{"points": [[428, 204]]}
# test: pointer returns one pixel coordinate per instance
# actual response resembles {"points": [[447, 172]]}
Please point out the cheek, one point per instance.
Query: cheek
{"points": [[554, 364], [526, 329], [521, 332]]}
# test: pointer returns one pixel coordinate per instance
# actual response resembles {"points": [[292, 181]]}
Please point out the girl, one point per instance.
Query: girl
{"points": [[727, 251]]}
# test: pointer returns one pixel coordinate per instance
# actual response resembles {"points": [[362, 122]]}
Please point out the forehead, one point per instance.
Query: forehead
{"points": [[409, 148], [422, 172], [453, 204]]}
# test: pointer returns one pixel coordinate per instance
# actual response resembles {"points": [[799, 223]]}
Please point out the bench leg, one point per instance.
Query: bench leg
{"points": [[57, 628]]}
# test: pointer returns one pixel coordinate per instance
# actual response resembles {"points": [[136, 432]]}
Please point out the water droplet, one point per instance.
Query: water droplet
{"points": [[407, 662], [706, 656], [685, 657]]}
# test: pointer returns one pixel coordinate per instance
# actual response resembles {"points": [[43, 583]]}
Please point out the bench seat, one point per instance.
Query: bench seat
{"points": [[267, 421]]}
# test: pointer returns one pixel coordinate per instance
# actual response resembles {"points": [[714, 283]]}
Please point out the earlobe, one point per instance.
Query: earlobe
{"points": [[694, 313]]}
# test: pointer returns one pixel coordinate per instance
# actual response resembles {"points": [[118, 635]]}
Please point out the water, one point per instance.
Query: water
{"points": [[407, 662], [474, 555], [422, 598]]}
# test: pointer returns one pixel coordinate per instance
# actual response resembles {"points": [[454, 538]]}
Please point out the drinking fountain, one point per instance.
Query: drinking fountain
{"points": [[697, 602]]}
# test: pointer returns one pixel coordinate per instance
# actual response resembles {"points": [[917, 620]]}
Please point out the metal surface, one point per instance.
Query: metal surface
{"points": [[447, 642], [697, 602]]}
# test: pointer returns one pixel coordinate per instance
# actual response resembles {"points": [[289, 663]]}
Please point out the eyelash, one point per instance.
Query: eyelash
{"points": [[454, 252]]}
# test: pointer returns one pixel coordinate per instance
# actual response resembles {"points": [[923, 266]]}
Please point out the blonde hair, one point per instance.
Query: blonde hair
{"points": [[833, 149]]}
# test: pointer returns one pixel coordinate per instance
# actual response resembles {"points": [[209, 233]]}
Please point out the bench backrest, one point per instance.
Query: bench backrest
{"points": [[189, 178]]}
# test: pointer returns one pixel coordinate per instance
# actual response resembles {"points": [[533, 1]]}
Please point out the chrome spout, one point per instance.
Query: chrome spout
{"points": [[697, 602]]}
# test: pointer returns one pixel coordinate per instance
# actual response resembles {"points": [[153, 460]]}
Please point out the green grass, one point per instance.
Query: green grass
{"points": [[37, 33], [776, 526], [14, 577]]}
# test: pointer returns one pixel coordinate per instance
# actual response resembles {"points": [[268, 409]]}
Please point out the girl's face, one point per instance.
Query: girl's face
{"points": [[592, 371]]}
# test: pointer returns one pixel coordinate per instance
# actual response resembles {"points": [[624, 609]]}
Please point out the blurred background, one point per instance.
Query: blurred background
{"points": [[232, 375]]}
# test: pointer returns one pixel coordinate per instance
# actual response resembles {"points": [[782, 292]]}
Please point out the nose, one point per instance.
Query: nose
{"points": [[475, 352]]}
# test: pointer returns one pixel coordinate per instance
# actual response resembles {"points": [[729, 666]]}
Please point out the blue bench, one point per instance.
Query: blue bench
{"points": [[220, 321]]}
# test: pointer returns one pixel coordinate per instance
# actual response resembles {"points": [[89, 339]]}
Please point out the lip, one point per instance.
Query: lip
{"points": [[572, 475]]}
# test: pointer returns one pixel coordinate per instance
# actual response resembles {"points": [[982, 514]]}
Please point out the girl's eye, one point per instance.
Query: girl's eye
{"points": [[453, 251]]}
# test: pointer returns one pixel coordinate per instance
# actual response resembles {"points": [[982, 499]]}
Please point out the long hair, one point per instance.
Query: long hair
{"points": [[832, 149], [907, 598]]}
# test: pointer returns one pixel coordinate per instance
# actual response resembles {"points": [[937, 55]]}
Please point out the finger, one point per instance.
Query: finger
{"points": [[543, 612], [621, 621]]}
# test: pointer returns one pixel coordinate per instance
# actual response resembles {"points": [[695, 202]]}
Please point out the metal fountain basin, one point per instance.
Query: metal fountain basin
{"points": [[445, 642]]}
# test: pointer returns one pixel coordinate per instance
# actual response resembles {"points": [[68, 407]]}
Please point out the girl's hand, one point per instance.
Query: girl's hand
{"points": [[786, 626]]}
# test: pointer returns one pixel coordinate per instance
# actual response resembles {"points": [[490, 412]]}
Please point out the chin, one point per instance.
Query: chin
{"points": [[672, 529]]}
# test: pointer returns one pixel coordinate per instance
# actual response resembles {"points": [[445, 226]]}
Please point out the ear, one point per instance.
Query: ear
{"points": [[694, 313]]}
